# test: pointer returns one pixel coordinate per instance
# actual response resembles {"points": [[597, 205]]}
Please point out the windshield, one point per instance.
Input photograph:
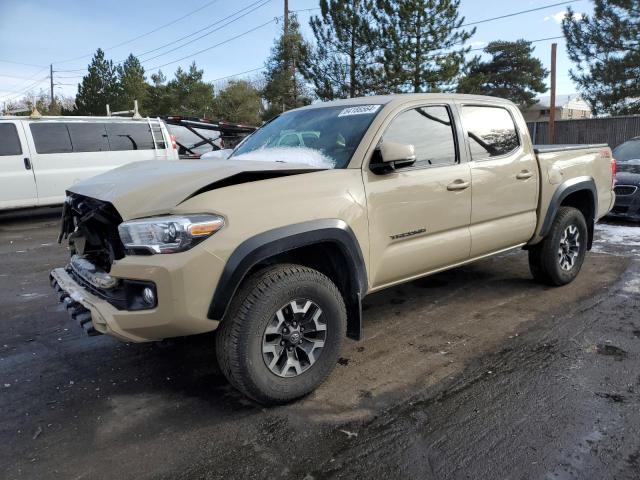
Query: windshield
{"points": [[325, 137], [628, 152]]}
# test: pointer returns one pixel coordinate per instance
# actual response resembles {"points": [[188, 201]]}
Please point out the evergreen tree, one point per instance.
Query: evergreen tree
{"points": [[133, 84], [238, 102], [511, 72], [339, 65], [414, 32], [188, 94], [284, 86], [158, 100], [605, 48], [99, 87]]}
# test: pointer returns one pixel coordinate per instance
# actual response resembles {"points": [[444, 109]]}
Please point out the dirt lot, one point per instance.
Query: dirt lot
{"points": [[474, 373]]}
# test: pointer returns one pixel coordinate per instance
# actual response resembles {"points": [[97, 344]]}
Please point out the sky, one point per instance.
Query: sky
{"points": [[66, 33]]}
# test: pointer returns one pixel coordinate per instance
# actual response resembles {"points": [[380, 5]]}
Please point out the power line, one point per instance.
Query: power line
{"points": [[237, 74], [205, 28], [264, 2], [251, 7], [214, 46], [530, 41], [25, 64], [206, 5], [517, 13], [13, 95]]}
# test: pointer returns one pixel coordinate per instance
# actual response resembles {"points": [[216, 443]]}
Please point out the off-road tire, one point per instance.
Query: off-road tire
{"points": [[543, 257], [240, 335]]}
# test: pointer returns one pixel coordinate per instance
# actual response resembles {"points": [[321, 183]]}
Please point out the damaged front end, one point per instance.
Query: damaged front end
{"points": [[91, 227]]}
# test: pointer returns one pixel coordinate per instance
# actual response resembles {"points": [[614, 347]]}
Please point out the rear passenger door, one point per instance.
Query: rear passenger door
{"points": [[504, 175], [17, 183]]}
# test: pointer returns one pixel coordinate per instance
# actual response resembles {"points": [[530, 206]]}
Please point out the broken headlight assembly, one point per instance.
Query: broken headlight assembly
{"points": [[170, 234]]}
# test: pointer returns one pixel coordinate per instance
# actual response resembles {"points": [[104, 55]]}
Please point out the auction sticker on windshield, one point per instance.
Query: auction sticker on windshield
{"points": [[359, 110]]}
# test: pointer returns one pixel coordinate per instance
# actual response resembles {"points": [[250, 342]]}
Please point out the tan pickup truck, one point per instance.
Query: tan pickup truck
{"points": [[276, 246]]}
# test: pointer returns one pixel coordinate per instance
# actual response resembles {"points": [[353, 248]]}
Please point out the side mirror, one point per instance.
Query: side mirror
{"points": [[392, 155]]}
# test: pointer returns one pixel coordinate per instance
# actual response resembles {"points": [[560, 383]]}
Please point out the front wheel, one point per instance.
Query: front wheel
{"points": [[283, 334], [558, 258]]}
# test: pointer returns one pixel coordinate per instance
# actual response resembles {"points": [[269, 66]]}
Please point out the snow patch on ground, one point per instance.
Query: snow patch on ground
{"points": [[625, 235], [632, 286], [308, 156]]}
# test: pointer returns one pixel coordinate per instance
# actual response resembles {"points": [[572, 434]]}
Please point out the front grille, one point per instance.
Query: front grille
{"points": [[623, 190], [115, 296]]}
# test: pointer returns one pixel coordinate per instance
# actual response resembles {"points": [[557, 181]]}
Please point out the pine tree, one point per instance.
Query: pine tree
{"points": [[158, 100], [605, 48], [339, 65], [238, 102], [511, 72], [415, 33], [284, 86], [188, 94], [99, 87], [133, 85]]}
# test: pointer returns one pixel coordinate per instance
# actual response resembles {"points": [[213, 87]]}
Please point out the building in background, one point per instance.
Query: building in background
{"points": [[568, 107]]}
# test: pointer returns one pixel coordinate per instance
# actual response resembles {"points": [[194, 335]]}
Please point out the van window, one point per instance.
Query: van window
{"points": [[88, 137], [491, 131], [130, 136], [430, 130], [51, 137], [9, 140]]}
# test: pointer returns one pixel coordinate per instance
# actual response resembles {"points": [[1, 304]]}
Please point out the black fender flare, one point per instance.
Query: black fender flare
{"points": [[565, 189], [280, 240]]}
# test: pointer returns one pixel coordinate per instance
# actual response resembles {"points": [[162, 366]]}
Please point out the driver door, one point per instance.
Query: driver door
{"points": [[419, 215]]}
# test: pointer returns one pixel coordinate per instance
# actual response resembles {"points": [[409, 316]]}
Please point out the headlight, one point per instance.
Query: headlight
{"points": [[168, 234]]}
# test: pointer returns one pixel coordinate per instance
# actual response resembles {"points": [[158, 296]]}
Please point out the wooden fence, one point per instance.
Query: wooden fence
{"points": [[613, 130]]}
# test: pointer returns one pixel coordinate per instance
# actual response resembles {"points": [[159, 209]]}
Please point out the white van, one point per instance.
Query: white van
{"points": [[41, 157]]}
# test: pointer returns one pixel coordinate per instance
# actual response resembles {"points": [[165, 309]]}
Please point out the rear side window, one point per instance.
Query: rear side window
{"points": [[429, 130], [491, 131], [51, 137], [88, 137], [9, 140], [130, 136]]}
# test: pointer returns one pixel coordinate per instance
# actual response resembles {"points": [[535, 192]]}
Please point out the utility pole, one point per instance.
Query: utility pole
{"points": [[51, 83], [552, 100], [288, 48], [286, 18]]}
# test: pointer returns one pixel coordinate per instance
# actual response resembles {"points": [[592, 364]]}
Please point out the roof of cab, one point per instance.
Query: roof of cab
{"points": [[401, 98]]}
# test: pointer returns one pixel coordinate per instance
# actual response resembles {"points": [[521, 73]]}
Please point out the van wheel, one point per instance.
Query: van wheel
{"points": [[283, 333], [557, 259]]}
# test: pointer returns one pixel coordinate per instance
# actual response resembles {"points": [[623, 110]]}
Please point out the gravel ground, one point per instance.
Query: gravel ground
{"points": [[474, 373]]}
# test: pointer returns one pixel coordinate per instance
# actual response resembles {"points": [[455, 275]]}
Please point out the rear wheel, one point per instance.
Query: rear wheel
{"points": [[557, 260], [283, 334]]}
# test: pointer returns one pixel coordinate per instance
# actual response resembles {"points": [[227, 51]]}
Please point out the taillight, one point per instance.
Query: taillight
{"points": [[614, 170], [174, 145]]}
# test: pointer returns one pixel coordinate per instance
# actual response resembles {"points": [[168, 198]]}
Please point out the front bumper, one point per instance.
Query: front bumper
{"points": [[185, 283], [627, 206]]}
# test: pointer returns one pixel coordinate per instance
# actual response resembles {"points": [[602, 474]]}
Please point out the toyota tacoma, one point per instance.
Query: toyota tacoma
{"points": [[276, 246]]}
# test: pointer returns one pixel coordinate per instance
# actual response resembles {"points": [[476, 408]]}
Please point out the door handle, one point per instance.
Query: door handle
{"points": [[524, 174], [27, 163], [458, 185]]}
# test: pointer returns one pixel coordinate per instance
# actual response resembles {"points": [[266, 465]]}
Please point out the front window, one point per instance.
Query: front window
{"points": [[325, 137]]}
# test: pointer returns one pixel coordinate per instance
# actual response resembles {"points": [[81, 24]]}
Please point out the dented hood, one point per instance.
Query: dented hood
{"points": [[148, 188]]}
